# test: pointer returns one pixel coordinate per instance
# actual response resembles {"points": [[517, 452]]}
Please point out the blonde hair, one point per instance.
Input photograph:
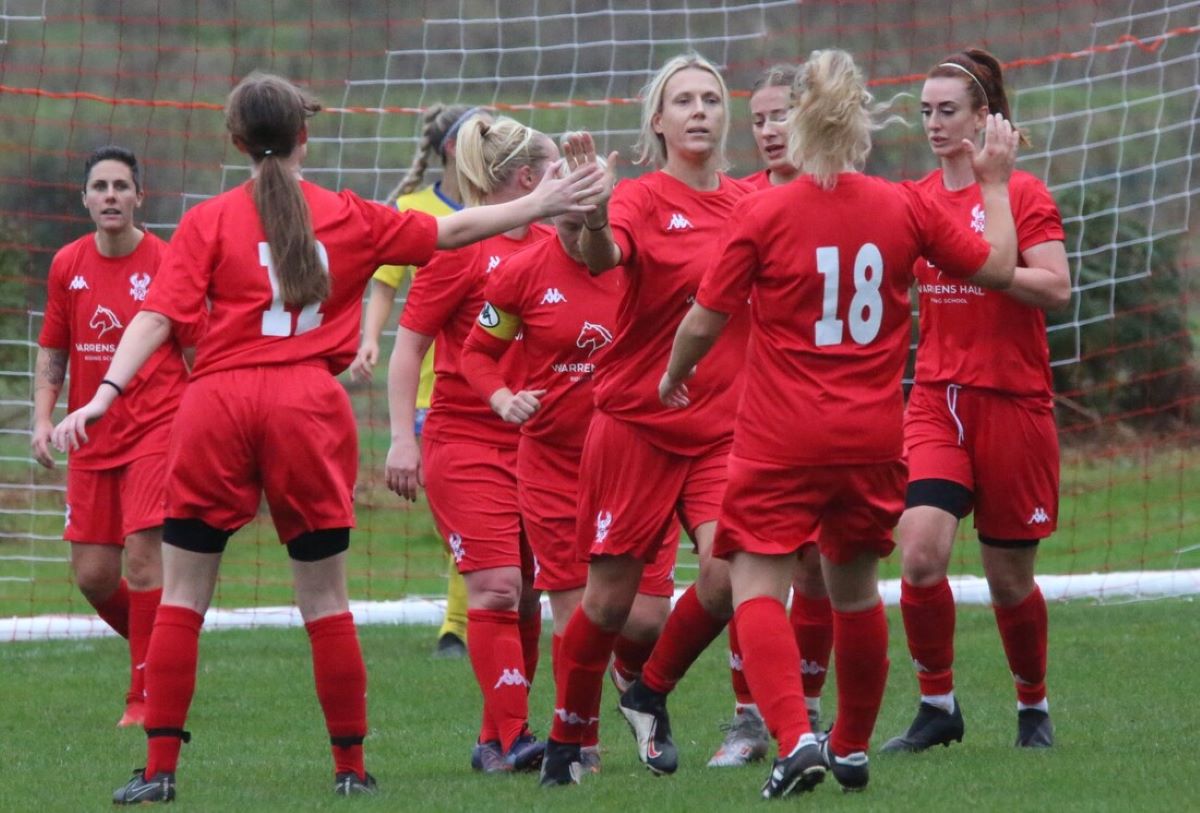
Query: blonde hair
{"points": [[490, 150], [440, 120], [831, 121], [266, 115], [651, 146]]}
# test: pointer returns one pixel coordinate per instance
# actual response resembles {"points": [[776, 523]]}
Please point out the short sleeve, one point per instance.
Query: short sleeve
{"points": [[56, 328], [1037, 216], [626, 211], [948, 245], [439, 289], [180, 288], [399, 238], [726, 284]]}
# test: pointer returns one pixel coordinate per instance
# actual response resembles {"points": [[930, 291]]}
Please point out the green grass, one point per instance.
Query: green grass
{"points": [[1119, 678]]}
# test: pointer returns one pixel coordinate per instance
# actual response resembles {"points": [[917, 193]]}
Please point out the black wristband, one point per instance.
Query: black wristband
{"points": [[114, 385], [590, 227]]}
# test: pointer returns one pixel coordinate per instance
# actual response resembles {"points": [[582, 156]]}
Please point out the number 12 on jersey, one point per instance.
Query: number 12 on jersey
{"points": [[277, 320], [866, 307]]}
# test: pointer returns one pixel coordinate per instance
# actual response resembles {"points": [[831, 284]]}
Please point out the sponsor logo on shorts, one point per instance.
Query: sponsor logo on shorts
{"points": [[1039, 517], [67, 516], [603, 523], [511, 677], [456, 547], [735, 662]]}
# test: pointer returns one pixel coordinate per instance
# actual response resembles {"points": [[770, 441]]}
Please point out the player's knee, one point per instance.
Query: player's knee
{"points": [[923, 566], [494, 591], [97, 583]]}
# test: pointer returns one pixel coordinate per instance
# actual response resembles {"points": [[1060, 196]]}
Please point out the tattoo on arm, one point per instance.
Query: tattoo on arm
{"points": [[52, 369]]}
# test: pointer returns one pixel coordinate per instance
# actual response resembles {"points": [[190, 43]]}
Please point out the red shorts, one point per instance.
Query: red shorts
{"points": [[106, 505], [1003, 448], [284, 431], [774, 508], [630, 491], [548, 495], [472, 491]]}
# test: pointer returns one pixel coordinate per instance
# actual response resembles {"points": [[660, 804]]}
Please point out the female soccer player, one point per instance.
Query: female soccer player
{"points": [[746, 737], [659, 228], [565, 318], [439, 137], [278, 265], [114, 486], [827, 261], [468, 462], [979, 430]]}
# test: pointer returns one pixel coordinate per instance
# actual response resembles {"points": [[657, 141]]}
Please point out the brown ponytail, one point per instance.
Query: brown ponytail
{"points": [[267, 115], [984, 79]]}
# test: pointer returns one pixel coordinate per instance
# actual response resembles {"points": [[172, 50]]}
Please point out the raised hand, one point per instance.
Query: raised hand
{"points": [[994, 162]]}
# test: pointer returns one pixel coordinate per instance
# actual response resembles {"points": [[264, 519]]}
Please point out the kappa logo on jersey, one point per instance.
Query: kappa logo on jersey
{"points": [[493, 261], [456, 547], [678, 222], [603, 523], [489, 317], [141, 284], [594, 336], [553, 296], [78, 284], [104, 320], [1039, 517], [511, 677], [978, 219]]}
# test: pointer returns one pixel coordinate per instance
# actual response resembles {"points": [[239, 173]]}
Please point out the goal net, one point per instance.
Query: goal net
{"points": [[1107, 93]]}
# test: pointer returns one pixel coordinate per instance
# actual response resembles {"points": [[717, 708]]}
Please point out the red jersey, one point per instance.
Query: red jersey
{"points": [[830, 272], [977, 337], [667, 233], [759, 180], [443, 302], [219, 255], [90, 300], [567, 318]]}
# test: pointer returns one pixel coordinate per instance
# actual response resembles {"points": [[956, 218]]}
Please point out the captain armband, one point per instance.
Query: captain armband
{"points": [[497, 323]]}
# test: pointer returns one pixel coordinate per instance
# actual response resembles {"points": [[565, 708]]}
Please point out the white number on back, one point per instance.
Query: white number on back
{"points": [[277, 320], [866, 307]]}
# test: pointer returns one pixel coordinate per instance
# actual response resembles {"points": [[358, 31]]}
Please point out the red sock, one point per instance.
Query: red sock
{"points": [[812, 624], [170, 682], [1023, 630], [494, 643], [531, 641], [688, 632], [630, 656], [928, 614], [583, 657], [142, 606], [114, 610], [737, 675], [341, 678], [771, 663], [860, 641]]}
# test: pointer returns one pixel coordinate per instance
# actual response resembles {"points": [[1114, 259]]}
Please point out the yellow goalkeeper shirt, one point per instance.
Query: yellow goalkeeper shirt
{"points": [[431, 201]]}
